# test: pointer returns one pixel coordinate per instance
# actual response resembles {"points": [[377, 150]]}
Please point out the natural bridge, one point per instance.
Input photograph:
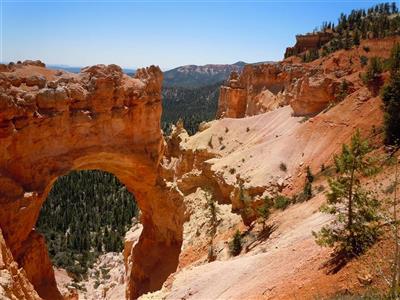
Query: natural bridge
{"points": [[52, 122]]}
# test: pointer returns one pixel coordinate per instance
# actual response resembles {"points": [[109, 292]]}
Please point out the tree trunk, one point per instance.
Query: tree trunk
{"points": [[395, 280], [350, 209]]}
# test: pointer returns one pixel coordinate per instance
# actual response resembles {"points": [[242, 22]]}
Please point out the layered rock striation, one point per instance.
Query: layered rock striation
{"points": [[261, 88], [52, 122], [308, 88], [308, 42]]}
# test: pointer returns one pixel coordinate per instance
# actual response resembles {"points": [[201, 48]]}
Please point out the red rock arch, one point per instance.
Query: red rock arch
{"points": [[52, 122]]}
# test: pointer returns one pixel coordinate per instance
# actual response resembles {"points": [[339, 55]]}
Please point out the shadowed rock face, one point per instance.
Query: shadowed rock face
{"points": [[265, 87], [52, 122], [307, 42], [258, 89]]}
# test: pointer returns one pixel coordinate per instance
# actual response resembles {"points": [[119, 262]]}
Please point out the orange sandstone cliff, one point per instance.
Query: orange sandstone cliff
{"points": [[52, 122], [272, 114]]}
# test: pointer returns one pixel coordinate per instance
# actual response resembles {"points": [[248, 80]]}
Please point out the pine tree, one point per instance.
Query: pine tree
{"points": [[235, 245], [356, 37], [391, 100], [356, 210], [373, 76], [78, 215], [213, 212]]}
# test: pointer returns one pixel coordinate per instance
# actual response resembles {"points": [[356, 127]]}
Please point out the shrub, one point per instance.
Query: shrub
{"points": [[283, 167], [264, 210], [309, 176], [304, 119], [281, 202], [343, 90], [306, 194], [235, 245], [363, 60], [307, 191]]}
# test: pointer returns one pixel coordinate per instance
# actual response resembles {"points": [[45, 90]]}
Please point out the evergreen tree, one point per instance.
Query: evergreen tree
{"points": [[235, 245], [356, 37], [213, 223], [380, 21], [356, 223], [391, 99], [86, 213], [373, 76]]}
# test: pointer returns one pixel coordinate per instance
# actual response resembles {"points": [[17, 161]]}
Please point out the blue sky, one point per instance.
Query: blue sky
{"points": [[134, 33]]}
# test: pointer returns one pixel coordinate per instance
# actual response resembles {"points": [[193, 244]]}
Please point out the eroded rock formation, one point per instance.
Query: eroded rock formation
{"points": [[261, 88], [256, 90], [14, 283], [52, 122], [239, 158], [306, 42]]}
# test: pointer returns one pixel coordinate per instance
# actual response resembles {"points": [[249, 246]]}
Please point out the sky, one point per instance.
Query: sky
{"points": [[168, 33]]}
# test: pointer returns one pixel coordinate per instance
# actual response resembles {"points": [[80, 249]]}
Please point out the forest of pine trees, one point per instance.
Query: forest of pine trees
{"points": [[86, 213], [380, 21], [192, 105]]}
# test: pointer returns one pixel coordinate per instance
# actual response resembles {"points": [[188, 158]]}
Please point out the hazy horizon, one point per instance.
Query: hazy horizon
{"points": [[135, 33]]}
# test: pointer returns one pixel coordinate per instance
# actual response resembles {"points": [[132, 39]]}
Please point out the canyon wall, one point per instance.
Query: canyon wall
{"points": [[309, 88], [318, 107], [52, 122], [265, 87], [307, 42]]}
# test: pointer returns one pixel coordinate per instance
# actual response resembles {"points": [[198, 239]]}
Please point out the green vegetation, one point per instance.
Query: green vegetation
{"points": [[391, 99], [213, 223], [281, 202], [86, 213], [191, 105], [307, 193], [265, 210], [194, 76], [363, 60], [277, 202], [379, 21], [373, 76], [235, 245], [343, 90], [356, 210]]}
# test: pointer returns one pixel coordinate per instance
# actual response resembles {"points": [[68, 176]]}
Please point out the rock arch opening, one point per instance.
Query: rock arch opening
{"points": [[86, 215], [97, 119]]}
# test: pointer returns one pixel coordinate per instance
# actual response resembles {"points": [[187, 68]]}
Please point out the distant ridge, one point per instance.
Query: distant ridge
{"points": [[194, 76], [188, 76]]}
